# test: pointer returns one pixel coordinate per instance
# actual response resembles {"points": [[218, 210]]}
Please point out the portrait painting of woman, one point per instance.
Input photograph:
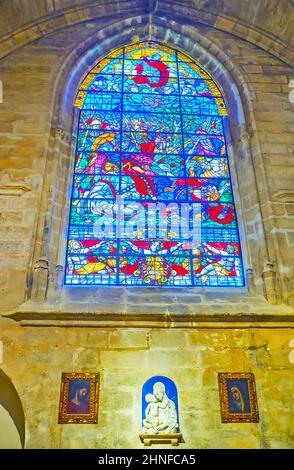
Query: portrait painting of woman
{"points": [[238, 397]]}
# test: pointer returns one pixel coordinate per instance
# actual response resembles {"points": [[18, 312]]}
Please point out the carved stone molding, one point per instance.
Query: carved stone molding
{"points": [[14, 189], [58, 277], [1, 353], [243, 144], [149, 439], [250, 281], [269, 283], [39, 316], [40, 280], [58, 132], [284, 196], [244, 139]]}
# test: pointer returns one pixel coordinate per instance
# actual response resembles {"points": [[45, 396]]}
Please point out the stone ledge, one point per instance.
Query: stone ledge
{"points": [[284, 196], [63, 319], [149, 439], [14, 189]]}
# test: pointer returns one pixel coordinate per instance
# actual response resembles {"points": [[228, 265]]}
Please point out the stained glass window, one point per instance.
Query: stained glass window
{"points": [[152, 201]]}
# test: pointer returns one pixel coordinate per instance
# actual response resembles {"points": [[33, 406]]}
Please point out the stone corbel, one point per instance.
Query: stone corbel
{"points": [[149, 439], [58, 133], [269, 283]]}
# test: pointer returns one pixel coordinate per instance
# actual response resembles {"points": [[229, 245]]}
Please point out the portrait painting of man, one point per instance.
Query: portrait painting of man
{"points": [[238, 397], [79, 398]]}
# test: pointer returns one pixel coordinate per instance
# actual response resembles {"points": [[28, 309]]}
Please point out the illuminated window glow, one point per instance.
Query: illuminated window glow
{"points": [[152, 201]]}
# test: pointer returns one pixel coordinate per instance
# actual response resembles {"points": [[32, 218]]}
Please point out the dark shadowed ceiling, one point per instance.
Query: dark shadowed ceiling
{"points": [[273, 17]]}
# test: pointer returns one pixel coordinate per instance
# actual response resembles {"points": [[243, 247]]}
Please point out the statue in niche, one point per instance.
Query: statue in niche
{"points": [[160, 412]]}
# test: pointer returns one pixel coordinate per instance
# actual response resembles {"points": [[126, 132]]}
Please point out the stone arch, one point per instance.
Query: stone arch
{"points": [[12, 419], [236, 92], [66, 17]]}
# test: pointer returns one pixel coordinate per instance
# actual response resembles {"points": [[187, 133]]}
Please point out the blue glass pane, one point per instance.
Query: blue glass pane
{"points": [[202, 125], [100, 120], [198, 87], [199, 105], [207, 167], [143, 103], [103, 101], [104, 83], [151, 122], [203, 144]]}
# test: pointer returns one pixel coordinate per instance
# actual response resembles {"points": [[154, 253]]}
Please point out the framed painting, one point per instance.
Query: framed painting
{"points": [[79, 397], [238, 397]]}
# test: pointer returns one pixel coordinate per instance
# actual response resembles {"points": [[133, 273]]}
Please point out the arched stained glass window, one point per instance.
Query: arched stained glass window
{"points": [[152, 201]]}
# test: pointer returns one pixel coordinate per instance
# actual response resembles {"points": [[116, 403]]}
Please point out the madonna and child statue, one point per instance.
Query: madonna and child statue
{"points": [[159, 408]]}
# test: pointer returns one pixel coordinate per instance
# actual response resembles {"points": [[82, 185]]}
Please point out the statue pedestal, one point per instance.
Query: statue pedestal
{"points": [[149, 439]]}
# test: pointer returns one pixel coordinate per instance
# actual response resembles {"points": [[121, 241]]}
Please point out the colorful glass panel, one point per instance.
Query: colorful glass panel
{"points": [[152, 201]]}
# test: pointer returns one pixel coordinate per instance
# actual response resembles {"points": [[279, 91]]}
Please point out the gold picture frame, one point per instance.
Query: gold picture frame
{"points": [[79, 396], [238, 398]]}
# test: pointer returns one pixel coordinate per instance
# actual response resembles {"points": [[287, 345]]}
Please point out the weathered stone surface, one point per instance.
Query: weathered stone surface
{"points": [[39, 77], [128, 339], [35, 358]]}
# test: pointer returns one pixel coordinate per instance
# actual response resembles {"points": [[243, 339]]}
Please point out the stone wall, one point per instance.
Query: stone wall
{"points": [[25, 117], [34, 358], [131, 334]]}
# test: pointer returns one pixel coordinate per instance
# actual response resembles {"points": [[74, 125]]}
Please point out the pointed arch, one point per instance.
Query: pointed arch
{"points": [[151, 134], [12, 415]]}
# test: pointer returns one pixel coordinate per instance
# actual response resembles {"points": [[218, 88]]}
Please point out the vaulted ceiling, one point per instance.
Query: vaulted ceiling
{"points": [[266, 21]]}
